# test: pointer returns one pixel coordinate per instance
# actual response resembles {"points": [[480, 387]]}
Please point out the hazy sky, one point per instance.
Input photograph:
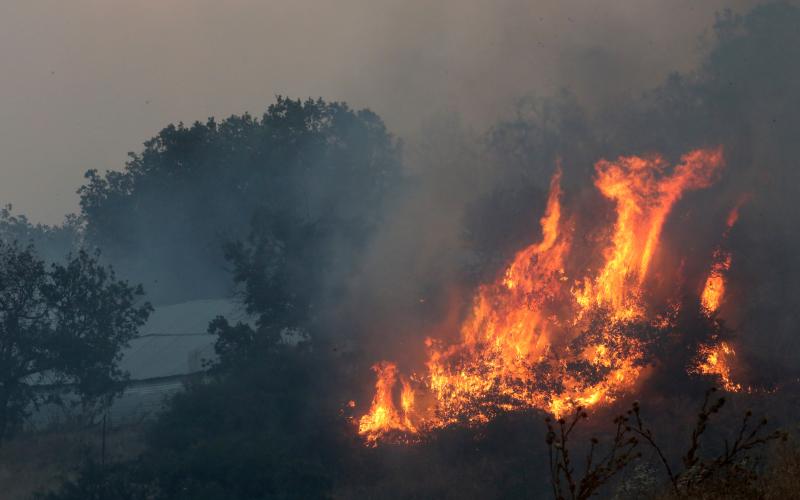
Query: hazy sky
{"points": [[82, 82]]}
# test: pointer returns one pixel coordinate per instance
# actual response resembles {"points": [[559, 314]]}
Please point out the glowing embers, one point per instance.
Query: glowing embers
{"points": [[539, 338], [716, 359]]}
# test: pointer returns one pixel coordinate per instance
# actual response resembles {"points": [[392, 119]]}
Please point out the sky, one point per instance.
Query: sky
{"points": [[83, 82]]}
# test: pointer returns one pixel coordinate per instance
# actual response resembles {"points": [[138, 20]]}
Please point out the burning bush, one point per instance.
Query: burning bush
{"points": [[550, 334]]}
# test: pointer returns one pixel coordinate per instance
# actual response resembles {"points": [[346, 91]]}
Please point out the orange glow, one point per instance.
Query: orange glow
{"points": [[714, 289], [643, 202], [383, 416], [716, 360], [540, 338], [733, 216]]}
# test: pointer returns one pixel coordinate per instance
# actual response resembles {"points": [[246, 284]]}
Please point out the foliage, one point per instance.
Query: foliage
{"points": [[280, 270], [61, 330], [598, 470], [52, 243], [295, 196], [309, 165], [255, 431], [735, 459], [98, 482], [735, 463]]}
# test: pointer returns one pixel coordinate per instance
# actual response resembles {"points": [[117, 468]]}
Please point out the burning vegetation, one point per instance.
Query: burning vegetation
{"points": [[563, 325]]}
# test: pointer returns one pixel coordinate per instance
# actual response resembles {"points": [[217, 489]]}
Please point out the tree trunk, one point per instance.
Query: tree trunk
{"points": [[4, 397]]}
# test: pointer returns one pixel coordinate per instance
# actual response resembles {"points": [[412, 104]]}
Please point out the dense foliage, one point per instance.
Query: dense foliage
{"points": [[289, 201], [52, 243], [62, 329], [303, 170]]}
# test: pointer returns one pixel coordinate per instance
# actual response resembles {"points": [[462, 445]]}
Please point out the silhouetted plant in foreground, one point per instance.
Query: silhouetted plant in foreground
{"points": [[598, 471], [734, 461], [697, 469]]}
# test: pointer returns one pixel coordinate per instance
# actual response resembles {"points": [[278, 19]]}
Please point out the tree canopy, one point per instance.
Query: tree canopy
{"points": [[62, 329], [164, 219]]}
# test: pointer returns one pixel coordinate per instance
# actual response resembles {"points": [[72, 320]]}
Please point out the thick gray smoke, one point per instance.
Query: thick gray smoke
{"points": [[487, 97], [478, 191], [70, 103]]}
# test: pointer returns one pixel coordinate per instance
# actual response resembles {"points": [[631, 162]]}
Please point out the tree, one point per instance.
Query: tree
{"points": [[52, 243], [296, 195], [62, 329], [166, 216], [259, 427]]}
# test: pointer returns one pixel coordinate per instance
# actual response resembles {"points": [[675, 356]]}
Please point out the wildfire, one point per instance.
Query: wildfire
{"points": [[383, 416], [542, 337], [716, 360], [714, 289]]}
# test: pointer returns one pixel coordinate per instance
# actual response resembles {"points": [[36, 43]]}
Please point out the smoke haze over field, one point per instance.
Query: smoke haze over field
{"points": [[87, 81]]}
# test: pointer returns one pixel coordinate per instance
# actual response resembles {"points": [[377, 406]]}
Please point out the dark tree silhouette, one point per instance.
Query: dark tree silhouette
{"points": [[61, 330], [52, 242], [166, 217]]}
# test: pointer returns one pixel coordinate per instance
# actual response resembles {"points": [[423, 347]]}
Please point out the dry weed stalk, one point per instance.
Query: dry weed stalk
{"points": [[623, 449]]}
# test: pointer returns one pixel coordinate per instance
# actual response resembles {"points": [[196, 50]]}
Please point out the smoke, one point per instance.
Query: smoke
{"points": [[619, 84], [478, 58], [488, 98], [70, 103]]}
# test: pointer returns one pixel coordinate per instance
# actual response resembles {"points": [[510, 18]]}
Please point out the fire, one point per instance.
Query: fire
{"points": [[383, 416], [547, 336], [643, 202], [716, 360], [714, 289]]}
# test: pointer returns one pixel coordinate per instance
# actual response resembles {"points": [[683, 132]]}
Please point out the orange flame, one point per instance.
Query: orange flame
{"points": [[383, 416], [714, 289], [532, 339], [716, 360], [643, 202]]}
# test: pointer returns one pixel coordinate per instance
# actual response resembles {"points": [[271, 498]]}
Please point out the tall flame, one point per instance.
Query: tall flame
{"points": [[539, 338], [714, 289], [383, 416], [643, 202], [716, 358]]}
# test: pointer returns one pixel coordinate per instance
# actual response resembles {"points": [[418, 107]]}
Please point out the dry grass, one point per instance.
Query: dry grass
{"points": [[42, 461]]}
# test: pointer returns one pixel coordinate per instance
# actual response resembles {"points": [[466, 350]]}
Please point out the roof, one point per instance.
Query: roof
{"points": [[175, 341], [159, 356], [191, 317]]}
